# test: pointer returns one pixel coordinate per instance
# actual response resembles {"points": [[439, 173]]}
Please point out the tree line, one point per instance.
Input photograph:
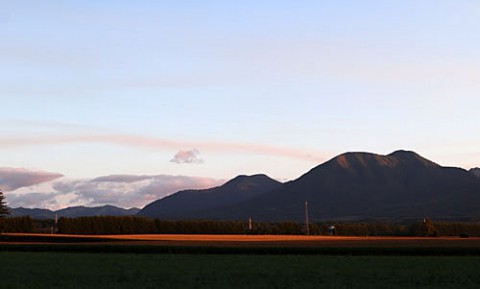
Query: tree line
{"points": [[142, 225], [17, 225], [104, 225]]}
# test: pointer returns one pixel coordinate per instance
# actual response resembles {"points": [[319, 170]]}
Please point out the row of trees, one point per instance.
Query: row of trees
{"points": [[17, 225], [141, 225]]}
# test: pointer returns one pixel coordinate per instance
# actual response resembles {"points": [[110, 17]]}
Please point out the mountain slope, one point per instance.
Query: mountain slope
{"points": [[192, 203], [364, 185], [107, 210], [74, 212], [35, 213], [475, 171]]}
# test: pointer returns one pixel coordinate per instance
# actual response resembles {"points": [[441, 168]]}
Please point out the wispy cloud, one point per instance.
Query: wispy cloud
{"points": [[15, 178], [153, 143], [187, 157]]}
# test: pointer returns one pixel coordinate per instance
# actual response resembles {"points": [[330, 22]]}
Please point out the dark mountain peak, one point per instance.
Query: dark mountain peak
{"points": [[404, 154], [360, 160], [475, 172], [258, 177], [236, 185], [190, 203], [412, 158], [357, 160], [253, 180]]}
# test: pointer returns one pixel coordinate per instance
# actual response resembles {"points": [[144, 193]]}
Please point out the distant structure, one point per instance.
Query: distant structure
{"points": [[55, 224], [250, 225], [331, 230]]}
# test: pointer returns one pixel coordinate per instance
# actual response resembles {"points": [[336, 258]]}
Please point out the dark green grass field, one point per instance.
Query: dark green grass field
{"points": [[102, 270]]}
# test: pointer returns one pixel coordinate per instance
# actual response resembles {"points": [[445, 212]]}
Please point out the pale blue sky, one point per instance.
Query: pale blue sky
{"points": [[91, 88]]}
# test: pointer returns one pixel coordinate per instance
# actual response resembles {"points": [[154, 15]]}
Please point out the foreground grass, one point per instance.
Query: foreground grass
{"points": [[77, 270]]}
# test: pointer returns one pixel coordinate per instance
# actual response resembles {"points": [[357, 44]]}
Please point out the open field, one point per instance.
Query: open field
{"points": [[237, 261], [73, 270], [238, 244], [299, 240]]}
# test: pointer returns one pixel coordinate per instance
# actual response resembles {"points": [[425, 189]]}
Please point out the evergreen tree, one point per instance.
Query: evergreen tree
{"points": [[3, 206]]}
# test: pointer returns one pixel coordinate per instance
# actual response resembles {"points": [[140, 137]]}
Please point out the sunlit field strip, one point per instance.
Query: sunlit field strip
{"points": [[246, 238], [287, 239], [242, 244]]}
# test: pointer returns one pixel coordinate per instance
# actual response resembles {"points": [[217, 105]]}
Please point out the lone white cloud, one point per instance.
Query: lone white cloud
{"points": [[15, 178], [187, 157]]}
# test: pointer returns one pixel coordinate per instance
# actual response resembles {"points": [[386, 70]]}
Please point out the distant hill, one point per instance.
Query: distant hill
{"points": [[193, 203], [475, 171], [34, 213], [74, 212], [355, 186], [107, 210]]}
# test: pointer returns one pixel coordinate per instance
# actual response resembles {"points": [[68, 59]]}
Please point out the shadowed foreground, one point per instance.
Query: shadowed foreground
{"points": [[71, 270]]}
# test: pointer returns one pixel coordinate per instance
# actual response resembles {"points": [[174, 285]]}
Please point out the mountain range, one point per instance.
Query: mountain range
{"points": [[351, 186], [79, 211]]}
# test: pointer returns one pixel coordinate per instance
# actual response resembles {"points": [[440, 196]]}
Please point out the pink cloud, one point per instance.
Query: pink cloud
{"points": [[15, 178], [159, 143]]}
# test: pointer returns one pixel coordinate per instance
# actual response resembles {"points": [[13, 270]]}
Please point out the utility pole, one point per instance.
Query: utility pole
{"points": [[55, 224], [307, 225]]}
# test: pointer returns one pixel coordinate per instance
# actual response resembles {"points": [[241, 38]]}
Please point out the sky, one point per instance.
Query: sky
{"points": [[125, 102]]}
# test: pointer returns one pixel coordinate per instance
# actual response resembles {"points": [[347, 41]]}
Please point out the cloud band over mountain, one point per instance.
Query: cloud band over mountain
{"points": [[121, 190]]}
